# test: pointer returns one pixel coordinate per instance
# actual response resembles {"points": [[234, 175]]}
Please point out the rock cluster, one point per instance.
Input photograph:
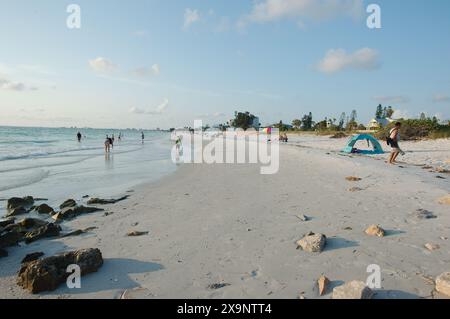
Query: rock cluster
{"points": [[48, 273]]}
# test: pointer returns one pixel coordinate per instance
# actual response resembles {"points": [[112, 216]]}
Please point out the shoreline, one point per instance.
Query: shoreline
{"points": [[229, 225]]}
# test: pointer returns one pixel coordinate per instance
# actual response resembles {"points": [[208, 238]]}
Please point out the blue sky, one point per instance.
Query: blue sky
{"points": [[164, 63]]}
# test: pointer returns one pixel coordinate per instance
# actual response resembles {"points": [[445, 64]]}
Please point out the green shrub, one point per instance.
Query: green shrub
{"points": [[415, 129]]}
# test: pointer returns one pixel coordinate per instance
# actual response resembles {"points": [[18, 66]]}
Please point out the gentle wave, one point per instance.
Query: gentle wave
{"points": [[37, 177], [45, 153]]}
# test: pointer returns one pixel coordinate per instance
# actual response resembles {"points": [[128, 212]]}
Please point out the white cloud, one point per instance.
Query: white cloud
{"points": [[190, 17], [8, 85], [157, 111], [338, 60], [154, 70], [439, 98], [400, 114], [272, 10], [392, 99], [102, 65]]}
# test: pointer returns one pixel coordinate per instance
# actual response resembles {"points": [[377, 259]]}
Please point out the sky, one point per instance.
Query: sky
{"points": [[166, 63]]}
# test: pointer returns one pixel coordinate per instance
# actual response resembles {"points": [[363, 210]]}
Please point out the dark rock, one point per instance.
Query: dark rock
{"points": [[72, 212], [68, 203], [10, 239], [44, 209], [74, 233], [99, 201], [31, 223], [16, 202], [3, 253], [79, 232], [32, 257], [7, 221], [17, 211], [137, 233], [218, 286], [49, 230], [48, 273]]}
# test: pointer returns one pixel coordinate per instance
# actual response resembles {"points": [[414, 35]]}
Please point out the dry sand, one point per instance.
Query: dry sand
{"points": [[212, 224]]}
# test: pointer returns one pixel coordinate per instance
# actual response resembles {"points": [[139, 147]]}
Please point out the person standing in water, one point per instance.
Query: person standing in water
{"points": [[143, 137], [107, 144], [79, 137]]}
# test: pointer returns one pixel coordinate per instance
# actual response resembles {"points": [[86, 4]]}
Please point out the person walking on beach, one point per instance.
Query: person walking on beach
{"points": [[107, 144], [143, 137], [79, 137], [393, 139]]}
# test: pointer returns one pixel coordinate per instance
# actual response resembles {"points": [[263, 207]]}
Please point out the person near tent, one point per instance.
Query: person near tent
{"points": [[392, 140]]}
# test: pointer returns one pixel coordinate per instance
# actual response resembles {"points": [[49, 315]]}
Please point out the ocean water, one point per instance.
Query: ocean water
{"points": [[51, 163]]}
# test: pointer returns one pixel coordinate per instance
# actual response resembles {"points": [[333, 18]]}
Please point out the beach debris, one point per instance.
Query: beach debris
{"points": [[375, 230], [442, 170], [303, 218], [353, 179], [443, 283], [444, 200], [443, 238], [44, 209], [99, 201], [432, 247], [68, 203], [355, 189], [16, 202], [32, 257], [17, 211], [440, 177], [218, 286], [313, 243], [3, 253], [48, 273], [7, 221], [108, 213], [323, 284], [85, 196], [137, 293], [427, 167], [137, 233], [422, 214], [352, 290], [72, 212], [348, 228], [49, 230]]}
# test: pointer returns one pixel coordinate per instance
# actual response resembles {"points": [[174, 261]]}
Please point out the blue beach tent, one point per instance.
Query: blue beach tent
{"points": [[350, 149]]}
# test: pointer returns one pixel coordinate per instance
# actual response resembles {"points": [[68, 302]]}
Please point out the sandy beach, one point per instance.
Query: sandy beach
{"points": [[225, 231]]}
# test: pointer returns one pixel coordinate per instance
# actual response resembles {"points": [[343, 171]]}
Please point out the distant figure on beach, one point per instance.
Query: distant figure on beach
{"points": [[107, 144], [79, 137], [284, 138], [143, 137], [120, 137], [392, 140], [178, 144]]}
